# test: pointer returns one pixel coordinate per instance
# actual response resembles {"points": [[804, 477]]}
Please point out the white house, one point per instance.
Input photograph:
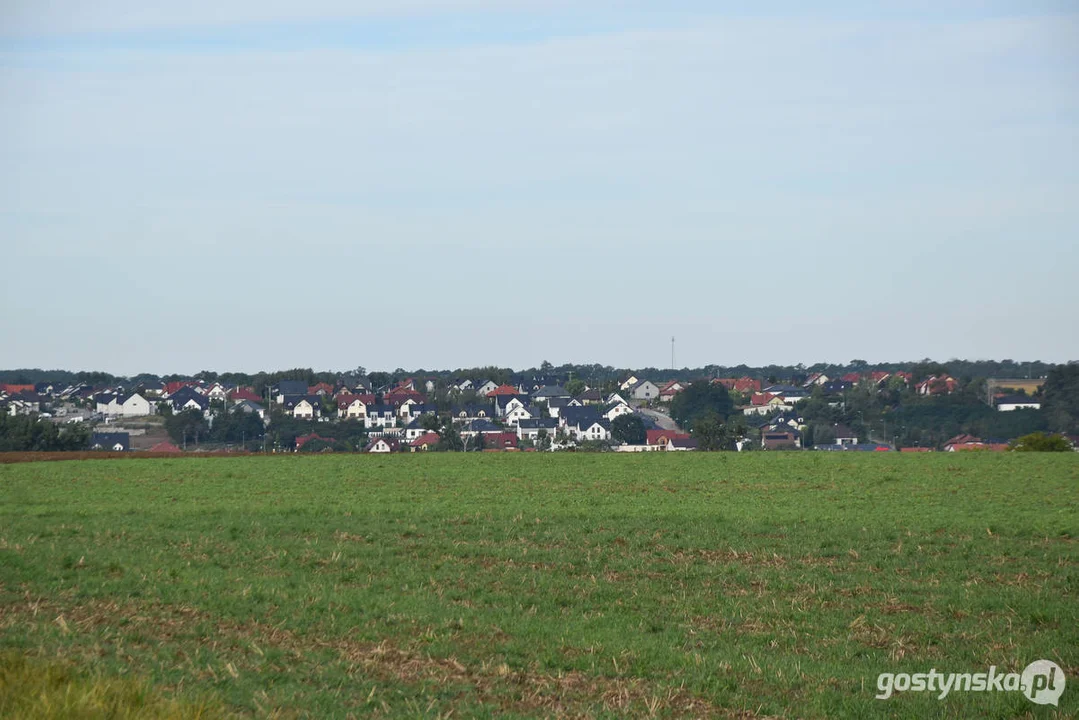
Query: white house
{"points": [[616, 409], [304, 409], [355, 409], [596, 430], [382, 445], [629, 382], [1017, 402], [519, 413], [485, 388], [380, 416], [644, 390], [217, 392], [135, 405]]}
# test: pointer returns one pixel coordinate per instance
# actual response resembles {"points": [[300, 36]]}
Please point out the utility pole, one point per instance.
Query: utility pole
{"points": [[672, 352]]}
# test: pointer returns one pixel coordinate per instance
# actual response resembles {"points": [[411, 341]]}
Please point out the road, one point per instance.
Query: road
{"points": [[663, 421]]}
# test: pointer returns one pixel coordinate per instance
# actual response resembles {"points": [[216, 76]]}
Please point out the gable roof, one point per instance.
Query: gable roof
{"points": [[504, 390], [428, 438]]}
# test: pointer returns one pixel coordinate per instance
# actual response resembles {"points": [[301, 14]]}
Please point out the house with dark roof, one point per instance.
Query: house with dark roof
{"points": [[290, 388], [590, 396], [787, 439], [530, 429], [115, 442], [1008, 403], [551, 391]]}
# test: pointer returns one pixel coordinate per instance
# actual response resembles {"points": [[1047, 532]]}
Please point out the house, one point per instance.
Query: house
{"points": [[766, 404], [789, 393], [593, 430], [473, 412], [645, 390], [663, 437], [669, 390], [304, 439], [499, 390], [555, 405], [244, 393], [107, 404], [380, 416], [789, 439], [354, 407], [616, 398], [187, 399], [415, 429], [217, 393], [844, 435], [116, 442], [135, 405], [681, 444], [251, 408], [424, 442], [499, 440], [15, 389], [614, 410], [816, 379], [1007, 403], [573, 417], [942, 385], [590, 397], [628, 382], [550, 391], [743, 385], [519, 413], [149, 388], [965, 441], [290, 388], [530, 429], [305, 407], [383, 445]]}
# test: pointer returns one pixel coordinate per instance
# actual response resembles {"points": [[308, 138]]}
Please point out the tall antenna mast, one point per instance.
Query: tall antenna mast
{"points": [[672, 352]]}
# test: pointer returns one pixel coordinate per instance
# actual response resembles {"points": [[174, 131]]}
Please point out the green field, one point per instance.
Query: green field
{"points": [[681, 584]]}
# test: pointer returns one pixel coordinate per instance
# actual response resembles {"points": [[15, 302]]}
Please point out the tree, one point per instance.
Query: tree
{"points": [[543, 440], [575, 387], [1061, 392], [1040, 442], [709, 433], [629, 429], [449, 439], [699, 399]]}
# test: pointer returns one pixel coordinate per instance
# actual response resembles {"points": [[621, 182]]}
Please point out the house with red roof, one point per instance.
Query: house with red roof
{"points": [[16, 389], [503, 390], [425, 442], [354, 407], [934, 385], [663, 437], [320, 389], [244, 393], [670, 389]]}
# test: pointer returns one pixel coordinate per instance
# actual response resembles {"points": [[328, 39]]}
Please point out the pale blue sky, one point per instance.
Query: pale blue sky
{"points": [[425, 183]]}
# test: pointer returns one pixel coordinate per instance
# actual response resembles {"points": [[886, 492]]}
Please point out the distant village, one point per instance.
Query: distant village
{"points": [[536, 413]]}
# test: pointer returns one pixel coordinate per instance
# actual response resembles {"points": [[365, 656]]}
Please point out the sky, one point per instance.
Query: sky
{"points": [[430, 184]]}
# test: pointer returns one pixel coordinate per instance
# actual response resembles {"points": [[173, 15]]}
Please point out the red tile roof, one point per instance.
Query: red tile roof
{"points": [[660, 437], [13, 389], [429, 438], [244, 394], [760, 398], [504, 390]]}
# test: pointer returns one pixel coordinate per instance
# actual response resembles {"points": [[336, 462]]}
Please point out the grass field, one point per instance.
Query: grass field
{"points": [[682, 584]]}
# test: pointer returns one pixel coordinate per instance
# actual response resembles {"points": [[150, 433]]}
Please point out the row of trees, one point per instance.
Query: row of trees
{"points": [[25, 433]]}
